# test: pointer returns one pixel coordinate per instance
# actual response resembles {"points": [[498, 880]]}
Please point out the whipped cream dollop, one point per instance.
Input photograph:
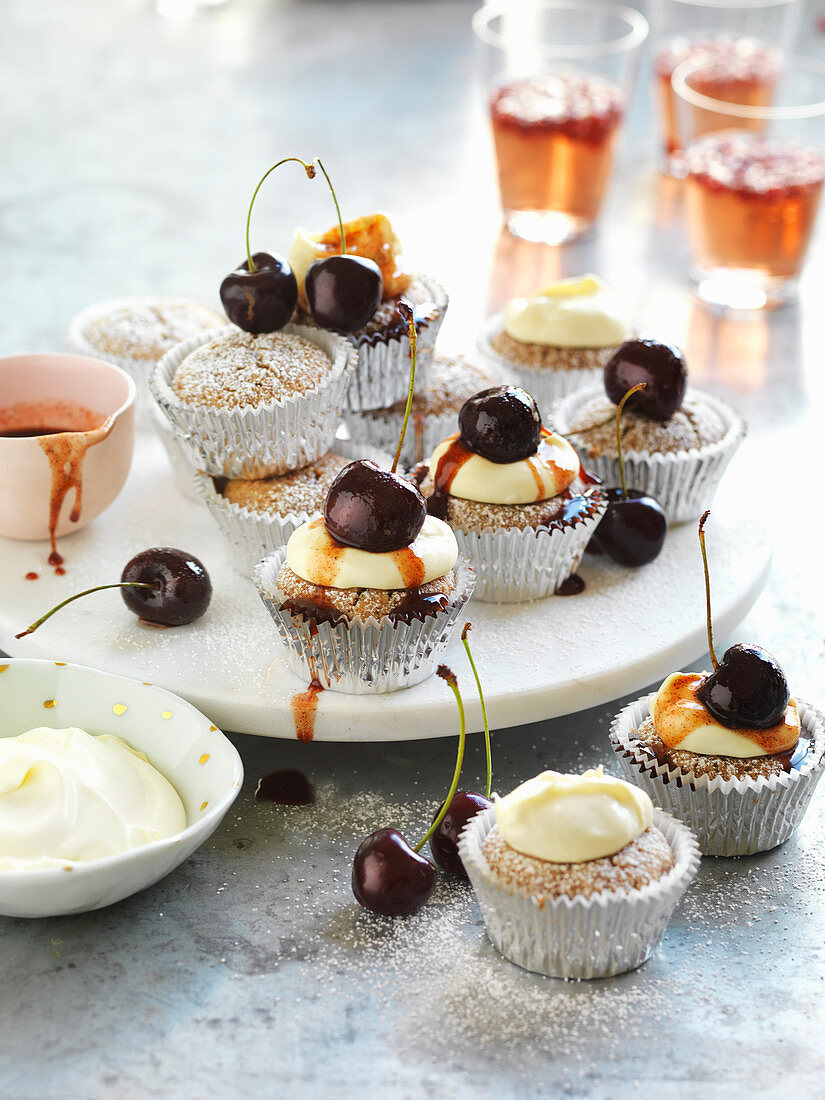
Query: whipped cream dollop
{"points": [[67, 796], [571, 313], [566, 818], [683, 722], [318, 558], [552, 469]]}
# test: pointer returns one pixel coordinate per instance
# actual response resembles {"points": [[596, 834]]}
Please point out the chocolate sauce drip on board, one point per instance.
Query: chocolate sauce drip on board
{"points": [[287, 786], [571, 586], [304, 708]]}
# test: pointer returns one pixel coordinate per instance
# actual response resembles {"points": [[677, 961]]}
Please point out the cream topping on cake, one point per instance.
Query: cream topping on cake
{"points": [[565, 818], [550, 471], [583, 312], [683, 722], [69, 796], [315, 556]]}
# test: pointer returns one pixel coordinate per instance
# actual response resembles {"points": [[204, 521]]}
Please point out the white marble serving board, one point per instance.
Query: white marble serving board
{"points": [[629, 627]]}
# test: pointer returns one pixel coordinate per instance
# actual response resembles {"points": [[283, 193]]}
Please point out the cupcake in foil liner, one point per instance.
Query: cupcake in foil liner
{"points": [[382, 376], [582, 937], [184, 473], [257, 441], [684, 482], [731, 817], [362, 657], [138, 368], [251, 534], [515, 564], [546, 384]]}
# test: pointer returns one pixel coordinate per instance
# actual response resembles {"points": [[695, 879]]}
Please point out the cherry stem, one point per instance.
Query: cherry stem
{"points": [[619, 410], [450, 678], [487, 747], [337, 207], [406, 312], [310, 171], [711, 650], [77, 595]]}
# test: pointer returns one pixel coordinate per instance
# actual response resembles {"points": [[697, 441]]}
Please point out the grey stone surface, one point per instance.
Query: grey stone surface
{"points": [[131, 144]]}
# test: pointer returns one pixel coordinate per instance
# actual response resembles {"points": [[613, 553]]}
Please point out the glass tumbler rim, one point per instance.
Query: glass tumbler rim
{"points": [[743, 5], [810, 109], [637, 26]]}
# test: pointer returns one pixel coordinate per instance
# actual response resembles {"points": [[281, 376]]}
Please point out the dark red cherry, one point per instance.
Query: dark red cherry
{"points": [[444, 841], [660, 366], [388, 877], [502, 424], [181, 587], [262, 300], [747, 691], [372, 509], [343, 291], [632, 530]]}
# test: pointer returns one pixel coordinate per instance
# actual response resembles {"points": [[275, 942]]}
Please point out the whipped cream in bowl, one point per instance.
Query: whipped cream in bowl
{"points": [[106, 785]]}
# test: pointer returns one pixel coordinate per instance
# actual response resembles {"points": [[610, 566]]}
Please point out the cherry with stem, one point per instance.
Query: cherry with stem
{"points": [[389, 876], [374, 509], [162, 586], [78, 595], [747, 688], [711, 650], [455, 812], [343, 291], [632, 531]]}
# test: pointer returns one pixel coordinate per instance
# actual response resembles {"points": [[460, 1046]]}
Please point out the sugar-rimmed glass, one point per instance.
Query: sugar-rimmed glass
{"points": [[559, 75], [753, 181], [741, 41]]}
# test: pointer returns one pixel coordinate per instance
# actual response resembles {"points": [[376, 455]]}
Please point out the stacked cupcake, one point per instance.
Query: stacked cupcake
{"points": [[559, 339], [381, 342], [256, 415]]}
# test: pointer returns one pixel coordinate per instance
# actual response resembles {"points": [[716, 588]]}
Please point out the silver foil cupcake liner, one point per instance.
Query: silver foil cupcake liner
{"points": [[362, 657], [252, 535], [137, 369], [382, 375], [684, 482], [544, 383], [596, 937], [183, 472], [731, 817], [260, 441], [514, 565]]}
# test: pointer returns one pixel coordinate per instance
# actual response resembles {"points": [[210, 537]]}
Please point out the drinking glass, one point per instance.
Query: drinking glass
{"points": [[559, 75], [742, 42], [753, 180]]}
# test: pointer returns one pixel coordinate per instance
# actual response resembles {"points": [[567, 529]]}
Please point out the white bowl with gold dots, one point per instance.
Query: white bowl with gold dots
{"points": [[183, 745]]}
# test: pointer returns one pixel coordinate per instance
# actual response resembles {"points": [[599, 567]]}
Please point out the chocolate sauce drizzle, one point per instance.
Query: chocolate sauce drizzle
{"points": [[288, 787]]}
